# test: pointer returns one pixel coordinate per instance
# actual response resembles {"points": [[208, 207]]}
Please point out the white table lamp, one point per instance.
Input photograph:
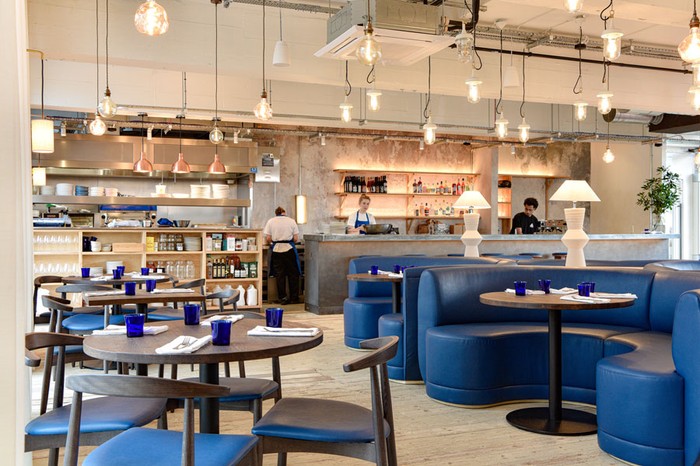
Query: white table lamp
{"points": [[471, 238], [575, 239]]}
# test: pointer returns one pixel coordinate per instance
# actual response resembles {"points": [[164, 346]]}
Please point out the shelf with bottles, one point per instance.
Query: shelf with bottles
{"points": [[110, 253], [230, 242], [173, 253], [231, 252], [229, 280]]}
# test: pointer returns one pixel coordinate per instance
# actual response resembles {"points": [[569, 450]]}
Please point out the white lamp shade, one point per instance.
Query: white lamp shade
{"points": [[301, 209], [471, 200], [42, 136], [511, 76], [39, 176], [575, 191], [281, 55]]}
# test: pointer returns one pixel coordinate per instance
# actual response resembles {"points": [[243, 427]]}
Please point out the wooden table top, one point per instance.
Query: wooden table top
{"points": [[111, 281], [141, 297], [546, 301], [243, 347], [368, 277]]}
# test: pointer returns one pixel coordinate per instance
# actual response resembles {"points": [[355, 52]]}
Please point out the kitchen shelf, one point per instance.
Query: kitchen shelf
{"points": [[55, 253], [400, 194], [231, 252], [410, 217], [392, 172], [155, 201], [170, 253], [112, 253], [224, 280]]}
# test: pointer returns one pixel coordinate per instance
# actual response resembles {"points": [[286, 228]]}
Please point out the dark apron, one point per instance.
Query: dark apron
{"points": [[270, 255], [359, 223]]}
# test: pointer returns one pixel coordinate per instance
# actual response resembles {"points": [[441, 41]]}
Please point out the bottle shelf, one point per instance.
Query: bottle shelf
{"points": [[399, 194], [231, 252], [112, 253], [173, 253], [224, 280]]}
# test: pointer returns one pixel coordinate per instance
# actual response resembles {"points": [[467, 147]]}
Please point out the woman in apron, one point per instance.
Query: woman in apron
{"points": [[358, 220]]}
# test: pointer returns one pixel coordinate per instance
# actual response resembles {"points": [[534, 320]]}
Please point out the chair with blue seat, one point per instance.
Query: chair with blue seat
{"points": [[102, 418], [39, 282], [81, 320], [337, 427], [165, 313], [141, 446]]}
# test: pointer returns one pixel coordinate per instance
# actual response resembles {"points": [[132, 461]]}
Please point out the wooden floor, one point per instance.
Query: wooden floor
{"points": [[427, 432]]}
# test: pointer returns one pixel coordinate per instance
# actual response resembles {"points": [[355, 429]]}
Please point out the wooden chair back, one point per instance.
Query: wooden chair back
{"points": [[38, 283], [222, 296]]}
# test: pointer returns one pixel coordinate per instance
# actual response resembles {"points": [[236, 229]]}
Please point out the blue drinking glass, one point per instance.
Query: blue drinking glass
{"points": [[584, 289], [221, 332], [116, 273], [520, 288], [592, 285], [374, 270], [134, 325], [273, 317], [85, 272], [121, 268], [397, 268], [544, 285], [150, 285], [191, 314], [130, 288], [145, 271]]}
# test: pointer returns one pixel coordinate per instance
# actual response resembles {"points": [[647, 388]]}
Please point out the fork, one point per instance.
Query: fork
{"points": [[186, 341]]}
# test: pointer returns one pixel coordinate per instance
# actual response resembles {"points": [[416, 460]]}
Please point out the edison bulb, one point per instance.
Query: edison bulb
{"points": [[216, 136], [429, 129], [346, 111], [608, 156], [523, 131], [696, 74], [369, 51], [694, 92], [97, 126], [604, 102], [107, 107], [689, 48], [501, 127], [612, 43], [473, 90], [580, 110], [573, 6], [373, 96], [263, 111], [696, 159], [464, 42], [151, 19]]}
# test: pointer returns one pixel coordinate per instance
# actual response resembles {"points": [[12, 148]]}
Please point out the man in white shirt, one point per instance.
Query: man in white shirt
{"points": [[281, 232]]}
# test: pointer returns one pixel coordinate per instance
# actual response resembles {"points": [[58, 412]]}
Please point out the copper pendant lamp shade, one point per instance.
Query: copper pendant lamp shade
{"points": [[180, 165], [142, 165], [216, 167]]}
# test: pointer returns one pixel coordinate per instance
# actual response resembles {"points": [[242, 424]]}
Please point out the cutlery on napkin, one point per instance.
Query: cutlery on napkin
{"points": [[528, 292], [146, 277], [262, 331], [614, 295], [565, 290], [184, 344], [102, 293], [102, 278], [231, 318], [584, 299], [121, 330], [172, 290], [394, 275]]}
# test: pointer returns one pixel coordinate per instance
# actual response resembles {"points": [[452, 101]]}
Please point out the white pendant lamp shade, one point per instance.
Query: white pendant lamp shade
{"points": [[612, 43], [429, 130], [281, 57], [523, 131], [373, 95], [180, 165], [346, 111], [263, 111], [151, 19], [604, 102], [501, 127], [301, 212], [216, 167], [608, 156], [97, 126], [38, 176], [511, 76], [573, 6], [142, 165], [107, 107], [575, 191], [369, 51], [472, 200], [473, 89], [580, 110], [42, 136]]}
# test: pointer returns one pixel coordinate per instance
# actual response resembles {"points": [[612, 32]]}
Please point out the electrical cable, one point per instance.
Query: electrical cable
{"points": [[371, 75], [348, 86], [579, 80], [263, 44], [427, 101], [500, 73], [216, 63], [522, 104], [107, 43]]}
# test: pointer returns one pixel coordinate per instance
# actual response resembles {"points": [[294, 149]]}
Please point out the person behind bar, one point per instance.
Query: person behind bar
{"points": [[358, 220], [525, 223], [281, 232]]}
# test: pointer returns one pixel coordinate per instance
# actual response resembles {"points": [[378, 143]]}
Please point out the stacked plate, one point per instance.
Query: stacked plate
{"points": [[200, 191], [48, 190], [64, 189], [97, 191], [111, 192], [81, 190], [220, 191], [181, 195], [193, 243]]}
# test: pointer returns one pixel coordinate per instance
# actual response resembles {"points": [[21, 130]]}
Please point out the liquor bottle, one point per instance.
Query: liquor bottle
{"points": [[416, 209], [459, 188], [363, 185], [420, 185], [426, 210], [415, 186], [210, 268], [353, 182], [464, 186], [385, 185]]}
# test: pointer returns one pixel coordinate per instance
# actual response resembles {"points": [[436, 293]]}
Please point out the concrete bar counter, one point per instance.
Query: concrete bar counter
{"points": [[327, 256]]}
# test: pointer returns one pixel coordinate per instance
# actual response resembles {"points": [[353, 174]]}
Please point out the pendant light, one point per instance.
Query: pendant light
{"points": [[696, 74], [216, 135], [604, 98], [501, 123], [580, 107], [151, 19], [429, 128], [523, 128], [573, 6], [42, 130], [580, 110], [216, 167], [689, 48], [510, 74], [263, 111], [694, 92], [97, 127], [107, 108], [612, 38], [142, 165], [346, 107], [696, 159], [608, 156], [180, 165], [473, 88], [373, 94], [281, 57], [463, 43], [369, 51]]}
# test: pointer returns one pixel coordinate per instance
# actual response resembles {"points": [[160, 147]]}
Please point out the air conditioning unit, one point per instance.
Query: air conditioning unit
{"points": [[408, 32]]}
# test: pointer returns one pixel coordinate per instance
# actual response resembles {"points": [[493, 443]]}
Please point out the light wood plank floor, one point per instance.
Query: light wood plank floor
{"points": [[428, 433]]}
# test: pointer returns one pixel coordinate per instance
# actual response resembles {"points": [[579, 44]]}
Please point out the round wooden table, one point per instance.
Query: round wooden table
{"points": [[552, 420], [141, 351], [383, 278]]}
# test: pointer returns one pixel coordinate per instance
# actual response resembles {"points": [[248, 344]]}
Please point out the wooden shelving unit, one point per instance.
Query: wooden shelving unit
{"points": [[155, 201]]}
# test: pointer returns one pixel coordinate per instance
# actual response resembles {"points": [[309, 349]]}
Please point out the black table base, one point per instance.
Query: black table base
{"points": [[571, 422]]}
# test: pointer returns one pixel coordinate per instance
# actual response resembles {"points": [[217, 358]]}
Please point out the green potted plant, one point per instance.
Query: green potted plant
{"points": [[660, 194]]}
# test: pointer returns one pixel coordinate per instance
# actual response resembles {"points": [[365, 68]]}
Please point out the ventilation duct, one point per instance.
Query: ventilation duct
{"points": [[617, 115]]}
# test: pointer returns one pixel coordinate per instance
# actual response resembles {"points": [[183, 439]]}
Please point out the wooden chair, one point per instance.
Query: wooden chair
{"points": [[103, 417], [171, 312], [38, 283], [80, 320], [156, 447], [337, 427]]}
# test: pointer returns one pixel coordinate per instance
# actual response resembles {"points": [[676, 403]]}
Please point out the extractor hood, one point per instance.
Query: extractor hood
{"points": [[408, 32]]}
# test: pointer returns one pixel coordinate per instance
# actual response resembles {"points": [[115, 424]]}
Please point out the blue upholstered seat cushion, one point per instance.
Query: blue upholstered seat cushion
{"points": [[164, 448], [89, 322], [361, 317], [100, 415], [244, 389], [318, 420], [70, 349], [392, 324]]}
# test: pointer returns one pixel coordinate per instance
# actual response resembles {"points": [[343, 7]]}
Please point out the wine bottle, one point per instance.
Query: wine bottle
{"points": [[415, 186]]}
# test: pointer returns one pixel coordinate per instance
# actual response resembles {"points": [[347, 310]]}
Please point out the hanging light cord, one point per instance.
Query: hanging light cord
{"points": [[578, 85], [141, 135], [216, 63], [107, 43], [371, 77], [609, 16], [427, 100], [608, 135], [476, 53], [500, 73], [522, 104], [348, 86], [180, 118], [97, 49], [606, 74], [280, 23], [263, 44]]}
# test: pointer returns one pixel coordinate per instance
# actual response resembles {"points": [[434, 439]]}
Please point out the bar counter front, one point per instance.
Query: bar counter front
{"points": [[327, 256]]}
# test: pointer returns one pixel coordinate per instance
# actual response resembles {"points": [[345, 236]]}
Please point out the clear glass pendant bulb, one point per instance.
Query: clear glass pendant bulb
{"points": [[604, 102], [263, 111], [346, 111], [151, 19], [369, 51], [523, 131], [97, 126], [608, 156], [429, 129], [580, 110], [107, 108], [612, 43], [464, 42], [696, 159], [689, 48], [473, 90], [373, 96], [501, 127], [573, 6], [215, 135]]}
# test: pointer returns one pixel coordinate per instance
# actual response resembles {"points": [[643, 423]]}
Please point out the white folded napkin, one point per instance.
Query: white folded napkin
{"points": [[262, 331], [121, 330], [394, 275], [145, 277], [584, 299], [102, 293], [102, 278], [527, 292], [232, 318], [170, 348], [615, 295], [172, 290], [565, 290]]}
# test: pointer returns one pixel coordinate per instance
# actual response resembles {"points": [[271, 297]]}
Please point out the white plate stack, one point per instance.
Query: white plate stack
{"points": [[193, 243], [97, 191], [48, 190], [220, 191], [111, 192], [64, 189], [200, 191]]}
